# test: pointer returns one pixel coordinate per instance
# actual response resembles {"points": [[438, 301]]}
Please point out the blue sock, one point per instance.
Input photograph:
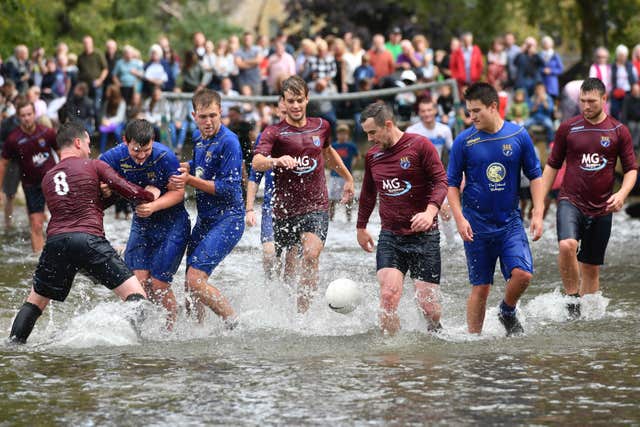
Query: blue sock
{"points": [[507, 310]]}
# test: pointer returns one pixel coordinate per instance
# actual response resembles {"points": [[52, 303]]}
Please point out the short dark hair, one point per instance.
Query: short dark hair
{"points": [[68, 132], [590, 84], [427, 100], [205, 97], [296, 85], [379, 111], [482, 92], [140, 131]]}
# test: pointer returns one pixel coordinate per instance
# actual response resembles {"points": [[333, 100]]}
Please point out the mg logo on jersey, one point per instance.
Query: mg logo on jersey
{"points": [[394, 187], [405, 163], [592, 162], [305, 165], [39, 159], [507, 150], [316, 140], [605, 141]]}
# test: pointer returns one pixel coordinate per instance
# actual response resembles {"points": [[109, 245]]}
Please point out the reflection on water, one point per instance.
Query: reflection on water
{"points": [[84, 365]]}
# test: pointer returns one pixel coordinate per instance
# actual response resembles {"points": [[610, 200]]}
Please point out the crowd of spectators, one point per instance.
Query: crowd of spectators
{"points": [[105, 88]]}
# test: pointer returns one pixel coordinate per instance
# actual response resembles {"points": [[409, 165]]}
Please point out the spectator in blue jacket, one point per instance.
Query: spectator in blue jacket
{"points": [[552, 67]]}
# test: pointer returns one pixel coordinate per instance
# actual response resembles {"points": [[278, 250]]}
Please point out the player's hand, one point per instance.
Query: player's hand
{"points": [[445, 211], [179, 182], [421, 221], [348, 192], [365, 240], [105, 190], [285, 162], [465, 231], [145, 210], [153, 190], [615, 202], [250, 218], [536, 227]]}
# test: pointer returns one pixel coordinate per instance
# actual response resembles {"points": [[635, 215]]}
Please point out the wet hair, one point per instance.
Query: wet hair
{"points": [[139, 131], [482, 92], [379, 111], [296, 85], [591, 84], [205, 97], [68, 132]]}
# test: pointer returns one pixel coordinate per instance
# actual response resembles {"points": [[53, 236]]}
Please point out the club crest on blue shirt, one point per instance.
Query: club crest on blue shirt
{"points": [[605, 141], [507, 150], [207, 157], [316, 140], [496, 172], [405, 163]]}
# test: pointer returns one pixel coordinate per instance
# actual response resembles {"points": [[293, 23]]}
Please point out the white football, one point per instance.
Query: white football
{"points": [[343, 295]]}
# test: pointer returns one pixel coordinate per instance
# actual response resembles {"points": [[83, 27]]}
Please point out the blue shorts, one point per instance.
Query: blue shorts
{"points": [[212, 239], [266, 227], [158, 248], [512, 247]]}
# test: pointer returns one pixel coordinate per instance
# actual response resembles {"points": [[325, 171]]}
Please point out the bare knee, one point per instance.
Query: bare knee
{"points": [[568, 247], [521, 277]]}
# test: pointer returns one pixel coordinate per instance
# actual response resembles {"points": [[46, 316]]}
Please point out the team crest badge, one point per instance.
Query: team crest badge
{"points": [[507, 150], [42, 143], [605, 141], [405, 163], [316, 140], [207, 157]]}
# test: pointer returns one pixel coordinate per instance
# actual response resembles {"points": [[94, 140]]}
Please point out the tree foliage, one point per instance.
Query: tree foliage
{"points": [[136, 22]]}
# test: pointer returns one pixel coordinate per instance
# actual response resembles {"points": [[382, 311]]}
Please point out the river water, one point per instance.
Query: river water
{"points": [[84, 365]]}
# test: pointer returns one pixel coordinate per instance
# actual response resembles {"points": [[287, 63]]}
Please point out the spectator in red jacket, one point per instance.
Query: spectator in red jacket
{"points": [[466, 62]]}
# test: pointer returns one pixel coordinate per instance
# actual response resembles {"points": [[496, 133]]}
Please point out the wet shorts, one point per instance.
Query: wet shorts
{"points": [[511, 246], [35, 198], [212, 239], [418, 253], [66, 254], [11, 178], [288, 231], [158, 247], [592, 232]]}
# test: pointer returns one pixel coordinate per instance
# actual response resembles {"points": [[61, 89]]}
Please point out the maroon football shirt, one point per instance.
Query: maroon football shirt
{"points": [[302, 189], [591, 152], [407, 177], [72, 192], [34, 152]]}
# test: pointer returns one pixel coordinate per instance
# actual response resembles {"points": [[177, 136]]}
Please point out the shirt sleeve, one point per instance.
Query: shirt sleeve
{"points": [[530, 161], [254, 175], [448, 138], [8, 148], [229, 177], [435, 172], [559, 152], [120, 185], [367, 196], [51, 139], [267, 138], [456, 163], [627, 155]]}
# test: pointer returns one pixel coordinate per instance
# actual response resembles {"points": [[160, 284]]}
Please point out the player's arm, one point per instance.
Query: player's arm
{"points": [[263, 163], [3, 169], [630, 168], [436, 175], [124, 188], [455, 182], [334, 162], [366, 203], [537, 196]]}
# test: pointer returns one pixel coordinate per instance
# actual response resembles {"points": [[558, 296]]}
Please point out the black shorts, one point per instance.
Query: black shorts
{"points": [[418, 253], [288, 232], [66, 254], [35, 198], [592, 232], [11, 178]]}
